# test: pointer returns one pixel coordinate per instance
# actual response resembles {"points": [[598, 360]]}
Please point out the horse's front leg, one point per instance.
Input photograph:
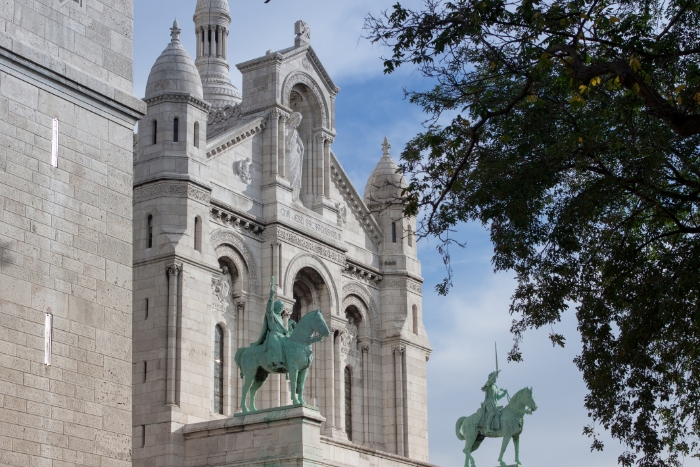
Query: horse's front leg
{"points": [[300, 384], [247, 382], [504, 445], [293, 374], [516, 445]]}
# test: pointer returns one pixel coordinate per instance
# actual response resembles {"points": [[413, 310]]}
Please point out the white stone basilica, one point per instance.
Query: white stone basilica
{"points": [[231, 188]]}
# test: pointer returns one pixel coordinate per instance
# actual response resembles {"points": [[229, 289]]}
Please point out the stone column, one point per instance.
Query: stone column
{"points": [[318, 173], [274, 142], [330, 389], [230, 373], [326, 168], [173, 275], [339, 385], [365, 395], [398, 400], [240, 320], [224, 43], [282, 146]]}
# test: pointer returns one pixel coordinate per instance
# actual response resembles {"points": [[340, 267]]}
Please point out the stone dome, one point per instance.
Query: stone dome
{"points": [[174, 71], [386, 183], [205, 5]]}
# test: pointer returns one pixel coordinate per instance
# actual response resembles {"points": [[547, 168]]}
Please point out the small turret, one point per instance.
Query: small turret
{"points": [[386, 183], [384, 198]]}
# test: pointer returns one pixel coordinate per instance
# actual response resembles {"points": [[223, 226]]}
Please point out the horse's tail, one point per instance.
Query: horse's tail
{"points": [[458, 428], [239, 354]]}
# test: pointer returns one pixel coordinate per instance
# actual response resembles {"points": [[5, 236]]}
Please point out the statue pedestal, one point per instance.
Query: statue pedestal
{"points": [[289, 435]]}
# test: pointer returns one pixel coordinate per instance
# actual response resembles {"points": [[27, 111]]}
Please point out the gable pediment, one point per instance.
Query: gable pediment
{"points": [[234, 136]]}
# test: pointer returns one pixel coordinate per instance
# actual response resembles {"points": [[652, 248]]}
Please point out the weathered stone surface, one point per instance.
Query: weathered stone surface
{"points": [[56, 253]]}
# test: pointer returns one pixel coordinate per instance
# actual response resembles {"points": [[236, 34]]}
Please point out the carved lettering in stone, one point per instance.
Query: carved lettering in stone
{"points": [[311, 224], [304, 243]]}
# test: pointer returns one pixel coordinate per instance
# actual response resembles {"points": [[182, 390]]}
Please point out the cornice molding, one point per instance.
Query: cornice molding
{"points": [[179, 98], [235, 136], [355, 202]]}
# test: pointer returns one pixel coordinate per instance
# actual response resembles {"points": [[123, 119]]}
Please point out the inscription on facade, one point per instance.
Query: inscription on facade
{"points": [[310, 224]]}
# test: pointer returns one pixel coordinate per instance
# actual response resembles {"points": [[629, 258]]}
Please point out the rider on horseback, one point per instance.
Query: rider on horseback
{"points": [[490, 419], [273, 331]]}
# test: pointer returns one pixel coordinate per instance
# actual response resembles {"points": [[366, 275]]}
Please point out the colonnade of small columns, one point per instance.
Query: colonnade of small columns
{"points": [[212, 41]]}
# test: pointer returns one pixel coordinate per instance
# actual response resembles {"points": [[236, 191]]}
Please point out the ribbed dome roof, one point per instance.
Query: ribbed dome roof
{"points": [[174, 71], [211, 4], [386, 182]]}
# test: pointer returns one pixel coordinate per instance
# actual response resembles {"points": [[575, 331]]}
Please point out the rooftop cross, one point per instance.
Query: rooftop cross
{"points": [[175, 32], [386, 146]]}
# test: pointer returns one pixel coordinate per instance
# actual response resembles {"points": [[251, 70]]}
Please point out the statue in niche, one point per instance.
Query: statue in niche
{"points": [[224, 288], [295, 154]]}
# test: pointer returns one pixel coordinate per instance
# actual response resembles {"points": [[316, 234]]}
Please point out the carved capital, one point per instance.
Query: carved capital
{"points": [[173, 270], [401, 350], [365, 348]]}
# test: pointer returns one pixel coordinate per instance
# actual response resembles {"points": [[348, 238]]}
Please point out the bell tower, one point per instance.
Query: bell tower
{"points": [[212, 21]]}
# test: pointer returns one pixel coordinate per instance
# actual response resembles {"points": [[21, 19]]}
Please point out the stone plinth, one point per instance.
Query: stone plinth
{"points": [[284, 436]]}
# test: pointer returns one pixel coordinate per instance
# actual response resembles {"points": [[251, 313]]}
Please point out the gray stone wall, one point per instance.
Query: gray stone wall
{"points": [[94, 37], [65, 232]]}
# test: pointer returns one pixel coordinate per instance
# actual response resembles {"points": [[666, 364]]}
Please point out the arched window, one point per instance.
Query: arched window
{"points": [[219, 370], [348, 402], [150, 231], [176, 130], [415, 319], [196, 134], [155, 131], [198, 234], [393, 232], [410, 236]]}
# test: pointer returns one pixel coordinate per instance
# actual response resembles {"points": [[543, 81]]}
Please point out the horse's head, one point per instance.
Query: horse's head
{"points": [[529, 399], [318, 324]]}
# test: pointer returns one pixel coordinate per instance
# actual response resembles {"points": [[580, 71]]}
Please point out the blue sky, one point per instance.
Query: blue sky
{"points": [[462, 326]]}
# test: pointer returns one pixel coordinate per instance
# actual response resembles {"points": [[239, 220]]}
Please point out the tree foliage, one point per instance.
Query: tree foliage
{"points": [[572, 131]]}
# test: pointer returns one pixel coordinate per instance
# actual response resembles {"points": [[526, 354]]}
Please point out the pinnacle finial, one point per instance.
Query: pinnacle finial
{"points": [[175, 31], [386, 146]]}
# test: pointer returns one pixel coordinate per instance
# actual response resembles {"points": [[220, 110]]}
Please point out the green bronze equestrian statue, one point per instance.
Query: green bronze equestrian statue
{"points": [[494, 421], [273, 331], [280, 350]]}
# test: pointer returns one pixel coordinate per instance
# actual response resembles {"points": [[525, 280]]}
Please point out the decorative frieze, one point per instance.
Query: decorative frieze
{"points": [[223, 114], [411, 285], [174, 189]]}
